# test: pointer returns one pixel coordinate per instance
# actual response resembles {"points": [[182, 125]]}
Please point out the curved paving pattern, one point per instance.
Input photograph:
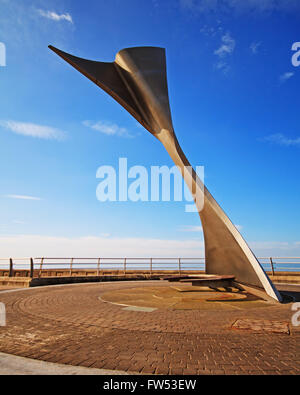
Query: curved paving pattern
{"points": [[72, 325]]}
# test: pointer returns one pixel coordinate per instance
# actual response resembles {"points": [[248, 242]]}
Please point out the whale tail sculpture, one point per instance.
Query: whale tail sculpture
{"points": [[137, 80]]}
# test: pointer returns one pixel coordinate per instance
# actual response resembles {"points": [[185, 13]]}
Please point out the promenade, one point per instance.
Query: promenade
{"points": [[98, 326]]}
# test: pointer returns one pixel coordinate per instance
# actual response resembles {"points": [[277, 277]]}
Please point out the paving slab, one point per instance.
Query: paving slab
{"points": [[13, 365], [77, 325]]}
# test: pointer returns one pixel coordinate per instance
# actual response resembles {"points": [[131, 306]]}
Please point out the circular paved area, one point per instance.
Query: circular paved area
{"points": [[14, 365], [182, 297], [75, 325]]}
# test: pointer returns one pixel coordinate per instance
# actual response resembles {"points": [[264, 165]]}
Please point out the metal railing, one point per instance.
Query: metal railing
{"points": [[71, 265], [273, 265]]}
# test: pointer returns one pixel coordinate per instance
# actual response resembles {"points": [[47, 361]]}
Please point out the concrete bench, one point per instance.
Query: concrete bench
{"points": [[208, 280], [172, 279], [213, 282]]}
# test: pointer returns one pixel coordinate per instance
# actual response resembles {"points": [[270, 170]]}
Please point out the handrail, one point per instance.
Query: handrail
{"points": [[274, 265], [108, 258], [135, 258]]}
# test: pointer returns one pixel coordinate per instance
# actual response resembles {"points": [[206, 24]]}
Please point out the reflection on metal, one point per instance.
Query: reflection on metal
{"points": [[137, 80]]}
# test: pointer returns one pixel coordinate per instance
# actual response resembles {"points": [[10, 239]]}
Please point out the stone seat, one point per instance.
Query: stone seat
{"points": [[209, 278], [214, 282], [177, 278]]}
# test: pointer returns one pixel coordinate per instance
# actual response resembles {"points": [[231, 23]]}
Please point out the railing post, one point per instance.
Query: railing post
{"points": [[41, 267], [98, 267], [31, 268], [150, 266], [179, 265], [125, 266], [11, 268], [272, 266], [71, 266]]}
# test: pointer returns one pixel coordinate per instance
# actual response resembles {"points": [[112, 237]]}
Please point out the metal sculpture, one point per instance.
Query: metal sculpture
{"points": [[137, 80]]}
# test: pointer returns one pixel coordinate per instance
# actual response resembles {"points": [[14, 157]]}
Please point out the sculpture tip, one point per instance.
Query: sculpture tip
{"points": [[53, 48], [58, 51]]}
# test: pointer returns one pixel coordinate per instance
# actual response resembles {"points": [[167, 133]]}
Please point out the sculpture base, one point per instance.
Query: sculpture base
{"points": [[180, 296]]}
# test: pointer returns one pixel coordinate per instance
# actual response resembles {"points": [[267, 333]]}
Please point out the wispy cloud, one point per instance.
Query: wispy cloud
{"points": [[108, 128], [22, 197], [55, 17], [210, 31], [104, 235], [200, 6], [89, 246], [275, 248], [286, 76], [263, 6], [18, 222], [190, 228], [254, 47], [227, 47], [281, 139], [223, 66], [238, 6], [33, 130]]}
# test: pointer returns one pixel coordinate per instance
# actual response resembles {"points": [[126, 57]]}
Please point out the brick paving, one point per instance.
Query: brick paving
{"points": [[6, 287], [262, 325], [72, 325]]}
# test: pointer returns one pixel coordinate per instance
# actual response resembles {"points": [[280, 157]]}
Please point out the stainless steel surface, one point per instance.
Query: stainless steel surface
{"points": [[137, 80]]}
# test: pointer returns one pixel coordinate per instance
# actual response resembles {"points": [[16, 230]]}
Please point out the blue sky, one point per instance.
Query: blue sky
{"points": [[234, 96]]}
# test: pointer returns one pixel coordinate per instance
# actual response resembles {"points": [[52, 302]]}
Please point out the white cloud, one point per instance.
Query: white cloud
{"points": [[104, 235], [227, 47], [108, 128], [263, 6], [275, 248], [280, 139], [93, 246], [200, 6], [254, 47], [190, 228], [210, 30], [22, 197], [252, 5], [56, 17], [286, 76], [239, 6], [223, 66], [18, 222], [33, 130]]}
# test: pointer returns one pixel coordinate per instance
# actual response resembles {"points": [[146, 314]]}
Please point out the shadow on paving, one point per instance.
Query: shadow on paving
{"points": [[289, 292]]}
